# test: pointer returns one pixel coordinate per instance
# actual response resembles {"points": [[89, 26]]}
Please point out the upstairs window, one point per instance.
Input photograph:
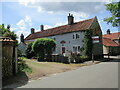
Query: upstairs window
{"points": [[73, 36], [76, 36]]}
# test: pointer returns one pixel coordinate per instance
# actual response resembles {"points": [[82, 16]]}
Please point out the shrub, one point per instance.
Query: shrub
{"points": [[42, 47], [23, 67], [29, 52], [19, 53], [83, 58]]}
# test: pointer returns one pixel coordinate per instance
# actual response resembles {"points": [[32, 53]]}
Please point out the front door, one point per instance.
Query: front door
{"points": [[63, 50]]}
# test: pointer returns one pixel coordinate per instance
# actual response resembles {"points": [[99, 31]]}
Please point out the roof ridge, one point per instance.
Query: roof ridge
{"points": [[66, 24], [77, 26]]}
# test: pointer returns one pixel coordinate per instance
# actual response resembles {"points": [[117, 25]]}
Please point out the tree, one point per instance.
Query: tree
{"points": [[114, 9], [87, 45], [29, 52], [49, 48], [7, 33], [43, 46]]}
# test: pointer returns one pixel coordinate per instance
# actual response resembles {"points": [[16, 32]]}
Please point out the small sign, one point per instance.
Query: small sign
{"points": [[96, 39]]}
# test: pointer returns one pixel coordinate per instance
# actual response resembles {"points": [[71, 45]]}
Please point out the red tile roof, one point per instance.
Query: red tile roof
{"points": [[82, 25], [6, 39], [109, 42], [112, 36]]}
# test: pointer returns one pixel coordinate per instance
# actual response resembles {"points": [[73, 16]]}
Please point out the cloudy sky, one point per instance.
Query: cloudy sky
{"points": [[32, 13]]}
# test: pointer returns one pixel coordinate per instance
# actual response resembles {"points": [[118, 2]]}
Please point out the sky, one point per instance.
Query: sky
{"points": [[23, 15]]}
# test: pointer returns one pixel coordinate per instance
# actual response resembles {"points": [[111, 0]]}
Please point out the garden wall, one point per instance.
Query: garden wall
{"points": [[7, 54]]}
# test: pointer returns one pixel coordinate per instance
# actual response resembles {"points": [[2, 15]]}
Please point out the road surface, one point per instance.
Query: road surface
{"points": [[103, 75]]}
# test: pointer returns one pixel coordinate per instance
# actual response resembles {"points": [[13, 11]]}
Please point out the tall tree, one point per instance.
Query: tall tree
{"points": [[114, 9], [87, 45]]}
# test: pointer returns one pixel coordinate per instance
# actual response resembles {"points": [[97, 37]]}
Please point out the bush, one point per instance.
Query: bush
{"points": [[19, 53], [82, 59], [23, 67], [29, 52]]}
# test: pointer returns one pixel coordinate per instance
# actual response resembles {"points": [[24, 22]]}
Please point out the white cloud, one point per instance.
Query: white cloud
{"points": [[39, 9], [28, 20], [47, 26], [21, 23], [26, 2], [79, 9], [13, 29], [22, 26]]}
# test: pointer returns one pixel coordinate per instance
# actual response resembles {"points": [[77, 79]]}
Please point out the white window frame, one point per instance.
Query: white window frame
{"points": [[77, 48], [75, 36]]}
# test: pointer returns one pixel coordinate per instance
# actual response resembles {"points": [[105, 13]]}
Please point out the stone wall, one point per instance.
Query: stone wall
{"points": [[7, 54]]}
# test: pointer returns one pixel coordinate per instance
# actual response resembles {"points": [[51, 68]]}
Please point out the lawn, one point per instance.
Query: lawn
{"points": [[40, 69]]}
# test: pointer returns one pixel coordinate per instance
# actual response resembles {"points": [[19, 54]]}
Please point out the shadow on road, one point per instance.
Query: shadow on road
{"points": [[15, 81]]}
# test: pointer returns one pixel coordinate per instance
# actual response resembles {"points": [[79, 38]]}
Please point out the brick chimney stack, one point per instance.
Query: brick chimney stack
{"points": [[70, 19], [32, 30], [108, 31], [42, 27], [22, 38]]}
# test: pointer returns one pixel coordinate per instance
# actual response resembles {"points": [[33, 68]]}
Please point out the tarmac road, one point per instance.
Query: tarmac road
{"points": [[103, 75]]}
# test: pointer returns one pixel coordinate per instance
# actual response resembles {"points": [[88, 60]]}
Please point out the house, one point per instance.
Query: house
{"points": [[70, 37], [22, 45], [111, 43]]}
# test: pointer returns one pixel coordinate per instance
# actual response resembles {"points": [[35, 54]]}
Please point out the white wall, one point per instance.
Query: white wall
{"points": [[68, 38], [70, 42]]}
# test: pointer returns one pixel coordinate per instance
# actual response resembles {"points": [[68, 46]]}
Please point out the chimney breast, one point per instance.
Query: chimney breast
{"points": [[108, 31], [32, 30], [70, 19], [42, 27]]}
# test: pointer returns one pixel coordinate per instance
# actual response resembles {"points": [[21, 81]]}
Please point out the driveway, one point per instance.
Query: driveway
{"points": [[103, 75]]}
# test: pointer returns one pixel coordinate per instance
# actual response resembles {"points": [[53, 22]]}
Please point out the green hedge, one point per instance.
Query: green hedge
{"points": [[82, 59]]}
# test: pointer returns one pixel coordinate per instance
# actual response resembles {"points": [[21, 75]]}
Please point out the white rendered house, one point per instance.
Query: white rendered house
{"points": [[69, 38]]}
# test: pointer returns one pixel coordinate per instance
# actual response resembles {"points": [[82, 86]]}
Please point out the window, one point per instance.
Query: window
{"points": [[76, 48], [76, 36], [73, 36]]}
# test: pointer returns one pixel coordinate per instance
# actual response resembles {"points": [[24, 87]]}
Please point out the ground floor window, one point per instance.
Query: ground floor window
{"points": [[76, 48]]}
